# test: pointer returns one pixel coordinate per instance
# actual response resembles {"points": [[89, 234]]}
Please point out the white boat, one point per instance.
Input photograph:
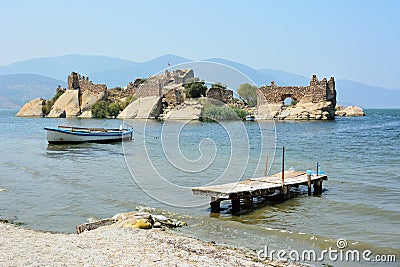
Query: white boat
{"points": [[250, 118], [71, 134]]}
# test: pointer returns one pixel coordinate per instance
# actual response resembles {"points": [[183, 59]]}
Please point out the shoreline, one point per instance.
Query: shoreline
{"points": [[114, 246]]}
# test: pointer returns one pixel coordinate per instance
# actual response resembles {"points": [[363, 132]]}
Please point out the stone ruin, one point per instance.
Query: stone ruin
{"points": [[317, 91], [316, 101], [161, 84], [82, 83], [220, 94]]}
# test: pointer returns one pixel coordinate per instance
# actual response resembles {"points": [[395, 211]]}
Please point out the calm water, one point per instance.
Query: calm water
{"points": [[58, 187]]}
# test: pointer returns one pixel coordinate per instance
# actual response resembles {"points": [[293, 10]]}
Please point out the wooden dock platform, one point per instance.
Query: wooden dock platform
{"points": [[261, 186]]}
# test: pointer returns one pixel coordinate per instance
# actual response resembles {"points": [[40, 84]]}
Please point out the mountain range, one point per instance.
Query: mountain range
{"points": [[39, 77]]}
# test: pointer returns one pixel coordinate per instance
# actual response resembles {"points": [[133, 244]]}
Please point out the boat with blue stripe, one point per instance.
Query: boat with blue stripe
{"points": [[72, 134]]}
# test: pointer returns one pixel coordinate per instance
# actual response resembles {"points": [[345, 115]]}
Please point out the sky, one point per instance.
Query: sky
{"points": [[349, 39]]}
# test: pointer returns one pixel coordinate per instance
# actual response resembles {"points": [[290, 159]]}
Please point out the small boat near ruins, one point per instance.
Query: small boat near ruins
{"points": [[71, 134], [250, 118]]}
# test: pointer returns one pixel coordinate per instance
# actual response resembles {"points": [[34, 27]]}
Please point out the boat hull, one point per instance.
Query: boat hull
{"points": [[59, 136]]}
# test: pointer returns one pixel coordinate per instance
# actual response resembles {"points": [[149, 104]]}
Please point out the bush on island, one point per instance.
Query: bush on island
{"points": [[248, 93], [212, 112], [194, 88]]}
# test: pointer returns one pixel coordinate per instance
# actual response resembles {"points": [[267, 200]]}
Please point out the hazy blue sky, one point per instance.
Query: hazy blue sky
{"points": [[358, 40]]}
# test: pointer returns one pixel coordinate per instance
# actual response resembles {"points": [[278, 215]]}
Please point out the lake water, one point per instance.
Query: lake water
{"points": [[56, 187]]}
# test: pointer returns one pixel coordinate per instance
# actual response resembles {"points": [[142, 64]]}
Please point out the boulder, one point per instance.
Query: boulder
{"points": [[142, 108], [322, 110], [67, 105], [33, 108], [268, 111], [189, 110], [134, 219], [135, 223], [350, 111]]}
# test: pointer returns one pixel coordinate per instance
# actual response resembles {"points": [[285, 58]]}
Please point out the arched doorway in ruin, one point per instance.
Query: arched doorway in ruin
{"points": [[289, 100]]}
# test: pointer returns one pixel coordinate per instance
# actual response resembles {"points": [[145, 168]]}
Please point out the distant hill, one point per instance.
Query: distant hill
{"points": [[60, 67], [366, 96], [47, 73], [17, 89], [256, 76]]}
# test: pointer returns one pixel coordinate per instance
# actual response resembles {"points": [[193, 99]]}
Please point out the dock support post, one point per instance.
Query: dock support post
{"points": [[215, 204], [309, 184], [235, 203], [285, 192], [318, 187]]}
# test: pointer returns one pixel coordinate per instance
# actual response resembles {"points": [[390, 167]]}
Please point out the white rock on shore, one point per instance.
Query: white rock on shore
{"points": [[32, 109], [350, 111], [113, 246]]}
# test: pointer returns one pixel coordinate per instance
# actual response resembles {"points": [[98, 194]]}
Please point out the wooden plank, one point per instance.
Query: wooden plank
{"points": [[256, 186], [93, 225]]}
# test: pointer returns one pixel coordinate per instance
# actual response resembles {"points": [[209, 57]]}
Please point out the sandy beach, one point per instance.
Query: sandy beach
{"points": [[113, 246]]}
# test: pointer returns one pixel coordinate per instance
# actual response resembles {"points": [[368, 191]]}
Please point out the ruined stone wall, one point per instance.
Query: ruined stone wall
{"points": [[115, 94], [223, 95], [317, 91], [172, 98], [149, 88], [76, 81]]}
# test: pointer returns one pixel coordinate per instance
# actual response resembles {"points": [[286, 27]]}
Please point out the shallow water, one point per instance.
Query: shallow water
{"points": [[58, 187]]}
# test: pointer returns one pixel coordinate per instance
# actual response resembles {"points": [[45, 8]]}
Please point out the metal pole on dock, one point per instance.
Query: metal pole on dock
{"points": [[283, 166], [317, 168], [266, 165]]}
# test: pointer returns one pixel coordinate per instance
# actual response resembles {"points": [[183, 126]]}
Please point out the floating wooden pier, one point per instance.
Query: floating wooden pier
{"points": [[261, 186]]}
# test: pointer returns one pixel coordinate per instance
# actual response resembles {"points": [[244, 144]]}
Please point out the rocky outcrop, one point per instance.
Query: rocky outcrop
{"points": [[33, 108], [67, 105], [323, 110], [268, 112], [89, 98], [142, 108], [188, 110], [350, 111]]}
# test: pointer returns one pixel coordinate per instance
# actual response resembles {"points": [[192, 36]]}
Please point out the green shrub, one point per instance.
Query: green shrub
{"points": [[46, 109], [248, 93], [241, 113], [214, 113], [195, 88], [99, 109], [113, 109]]}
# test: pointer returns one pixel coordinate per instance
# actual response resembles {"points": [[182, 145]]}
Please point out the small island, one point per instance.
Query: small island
{"points": [[179, 95]]}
